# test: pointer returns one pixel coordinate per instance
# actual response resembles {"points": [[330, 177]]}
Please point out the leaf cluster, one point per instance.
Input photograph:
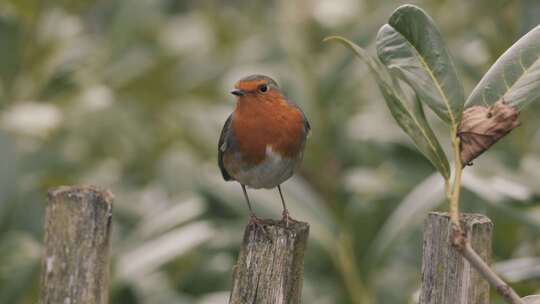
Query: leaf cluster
{"points": [[411, 53]]}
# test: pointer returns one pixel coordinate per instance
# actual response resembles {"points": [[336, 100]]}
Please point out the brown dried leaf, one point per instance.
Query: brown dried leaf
{"points": [[481, 127]]}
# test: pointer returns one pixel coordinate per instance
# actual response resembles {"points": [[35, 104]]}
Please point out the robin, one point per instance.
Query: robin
{"points": [[262, 141]]}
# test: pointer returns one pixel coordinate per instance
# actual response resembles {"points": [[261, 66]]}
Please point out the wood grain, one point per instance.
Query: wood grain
{"points": [[270, 264], [447, 278], [75, 266]]}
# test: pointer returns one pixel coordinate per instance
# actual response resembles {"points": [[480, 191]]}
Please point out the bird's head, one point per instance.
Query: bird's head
{"points": [[256, 87]]}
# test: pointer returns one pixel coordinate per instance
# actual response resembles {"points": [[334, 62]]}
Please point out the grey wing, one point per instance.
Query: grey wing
{"points": [[307, 126], [222, 147]]}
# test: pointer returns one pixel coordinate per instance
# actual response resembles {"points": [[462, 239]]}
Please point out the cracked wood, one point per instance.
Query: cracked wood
{"points": [[270, 265]]}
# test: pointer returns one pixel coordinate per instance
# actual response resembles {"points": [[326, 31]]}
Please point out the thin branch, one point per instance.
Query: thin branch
{"points": [[462, 244], [454, 196]]}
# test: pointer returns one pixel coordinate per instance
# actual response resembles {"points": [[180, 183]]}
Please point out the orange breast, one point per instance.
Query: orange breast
{"points": [[259, 123]]}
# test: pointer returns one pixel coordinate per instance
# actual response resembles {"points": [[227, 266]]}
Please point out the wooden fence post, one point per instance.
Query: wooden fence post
{"points": [[270, 265], [447, 278], [75, 266]]}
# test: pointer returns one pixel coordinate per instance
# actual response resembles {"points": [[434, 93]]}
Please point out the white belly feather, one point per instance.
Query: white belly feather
{"points": [[270, 173]]}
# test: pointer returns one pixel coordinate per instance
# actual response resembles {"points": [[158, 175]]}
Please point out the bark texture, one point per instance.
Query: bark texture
{"points": [[75, 266], [447, 278], [271, 264]]}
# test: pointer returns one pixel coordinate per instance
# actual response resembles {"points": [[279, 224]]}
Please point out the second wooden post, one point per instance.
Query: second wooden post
{"points": [[75, 267], [447, 278]]}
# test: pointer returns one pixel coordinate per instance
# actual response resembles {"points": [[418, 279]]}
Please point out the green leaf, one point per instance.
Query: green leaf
{"points": [[411, 46], [413, 121], [409, 116], [515, 76]]}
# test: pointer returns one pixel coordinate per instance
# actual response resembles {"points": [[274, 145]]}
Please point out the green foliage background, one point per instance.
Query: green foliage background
{"points": [[131, 96]]}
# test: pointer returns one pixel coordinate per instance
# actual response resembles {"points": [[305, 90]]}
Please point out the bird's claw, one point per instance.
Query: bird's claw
{"points": [[257, 224], [287, 219]]}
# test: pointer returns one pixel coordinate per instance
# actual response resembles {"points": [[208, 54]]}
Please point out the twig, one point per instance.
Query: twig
{"points": [[454, 195], [462, 244]]}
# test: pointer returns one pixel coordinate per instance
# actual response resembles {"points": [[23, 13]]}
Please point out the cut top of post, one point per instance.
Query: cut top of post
{"points": [[92, 193]]}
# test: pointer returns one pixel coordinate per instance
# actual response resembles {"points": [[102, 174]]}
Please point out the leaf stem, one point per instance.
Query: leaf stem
{"points": [[460, 241], [453, 195]]}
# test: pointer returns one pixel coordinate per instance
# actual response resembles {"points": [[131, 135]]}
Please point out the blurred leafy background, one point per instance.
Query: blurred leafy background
{"points": [[131, 96]]}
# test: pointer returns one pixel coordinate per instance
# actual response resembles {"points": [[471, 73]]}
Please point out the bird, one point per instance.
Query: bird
{"points": [[262, 142]]}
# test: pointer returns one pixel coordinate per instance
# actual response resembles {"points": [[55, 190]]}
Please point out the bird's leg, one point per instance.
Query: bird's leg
{"points": [[253, 219], [285, 216], [251, 213]]}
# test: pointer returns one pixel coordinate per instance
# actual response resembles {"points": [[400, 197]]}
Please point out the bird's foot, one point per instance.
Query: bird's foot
{"points": [[257, 224], [286, 218]]}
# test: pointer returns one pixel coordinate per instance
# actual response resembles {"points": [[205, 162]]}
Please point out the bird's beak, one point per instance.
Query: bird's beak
{"points": [[238, 92]]}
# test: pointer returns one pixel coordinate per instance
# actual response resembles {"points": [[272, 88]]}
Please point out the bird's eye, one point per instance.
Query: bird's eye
{"points": [[263, 88]]}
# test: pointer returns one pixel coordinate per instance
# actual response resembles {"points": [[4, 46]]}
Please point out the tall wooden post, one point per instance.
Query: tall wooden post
{"points": [[447, 278], [270, 265], [75, 266]]}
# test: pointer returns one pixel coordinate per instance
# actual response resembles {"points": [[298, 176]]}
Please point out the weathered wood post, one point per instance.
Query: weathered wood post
{"points": [[271, 264], [75, 266], [447, 278]]}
